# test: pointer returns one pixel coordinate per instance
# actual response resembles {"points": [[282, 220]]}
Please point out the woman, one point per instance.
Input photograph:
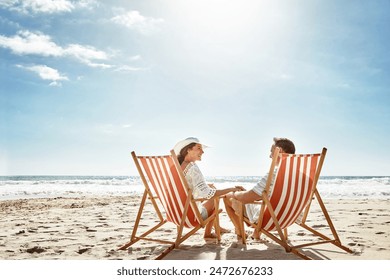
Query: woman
{"points": [[188, 151]]}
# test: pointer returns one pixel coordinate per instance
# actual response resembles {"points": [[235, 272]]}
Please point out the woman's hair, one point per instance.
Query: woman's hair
{"points": [[184, 151], [286, 144]]}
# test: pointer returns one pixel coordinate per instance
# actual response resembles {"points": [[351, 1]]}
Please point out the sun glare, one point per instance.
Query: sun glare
{"points": [[229, 23]]}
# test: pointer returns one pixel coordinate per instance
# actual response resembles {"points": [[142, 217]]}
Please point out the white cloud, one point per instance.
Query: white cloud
{"points": [[87, 54], [26, 42], [29, 43], [135, 57], [86, 4], [135, 21], [46, 6], [39, 6], [127, 68], [46, 73], [127, 125]]}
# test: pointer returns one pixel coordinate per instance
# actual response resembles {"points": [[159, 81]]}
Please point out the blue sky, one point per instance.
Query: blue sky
{"points": [[83, 83]]}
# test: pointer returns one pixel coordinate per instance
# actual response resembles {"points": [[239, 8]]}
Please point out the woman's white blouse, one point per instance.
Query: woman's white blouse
{"points": [[197, 183]]}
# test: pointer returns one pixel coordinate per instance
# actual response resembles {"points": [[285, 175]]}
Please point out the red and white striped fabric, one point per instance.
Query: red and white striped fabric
{"points": [[292, 189], [165, 180]]}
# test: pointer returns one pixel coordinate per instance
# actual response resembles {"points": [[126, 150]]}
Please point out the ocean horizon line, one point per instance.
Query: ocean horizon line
{"points": [[206, 176]]}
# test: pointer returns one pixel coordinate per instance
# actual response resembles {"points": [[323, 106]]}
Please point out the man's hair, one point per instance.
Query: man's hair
{"points": [[286, 144]]}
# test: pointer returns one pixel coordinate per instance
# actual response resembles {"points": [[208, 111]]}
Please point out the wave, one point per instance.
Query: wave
{"points": [[15, 187]]}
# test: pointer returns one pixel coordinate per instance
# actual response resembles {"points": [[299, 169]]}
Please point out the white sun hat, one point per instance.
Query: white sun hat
{"points": [[181, 144]]}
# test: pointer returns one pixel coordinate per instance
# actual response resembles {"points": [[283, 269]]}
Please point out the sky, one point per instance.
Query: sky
{"points": [[84, 83]]}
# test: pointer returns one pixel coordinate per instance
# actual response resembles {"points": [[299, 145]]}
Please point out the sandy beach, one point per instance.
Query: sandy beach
{"points": [[92, 228]]}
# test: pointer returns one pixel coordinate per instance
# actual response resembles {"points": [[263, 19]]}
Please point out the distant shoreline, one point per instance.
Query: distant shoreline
{"points": [[137, 176]]}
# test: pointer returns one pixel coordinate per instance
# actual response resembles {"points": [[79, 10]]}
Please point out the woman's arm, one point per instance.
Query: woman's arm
{"points": [[228, 190], [244, 196]]}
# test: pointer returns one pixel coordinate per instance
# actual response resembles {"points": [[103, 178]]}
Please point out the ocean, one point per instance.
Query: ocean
{"points": [[28, 187]]}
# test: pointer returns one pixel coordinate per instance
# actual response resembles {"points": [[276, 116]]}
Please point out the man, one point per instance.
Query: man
{"points": [[252, 211]]}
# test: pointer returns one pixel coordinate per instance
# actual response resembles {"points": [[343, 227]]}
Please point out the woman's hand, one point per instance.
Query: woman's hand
{"points": [[239, 188]]}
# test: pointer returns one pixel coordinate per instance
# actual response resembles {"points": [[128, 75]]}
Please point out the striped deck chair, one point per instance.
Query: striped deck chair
{"points": [[289, 201], [168, 191]]}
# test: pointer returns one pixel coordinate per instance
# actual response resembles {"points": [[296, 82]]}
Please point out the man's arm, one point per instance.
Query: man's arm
{"points": [[246, 196]]}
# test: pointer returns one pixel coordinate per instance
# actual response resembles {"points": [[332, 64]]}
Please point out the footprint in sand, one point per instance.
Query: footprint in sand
{"points": [[20, 232], [32, 230], [90, 230], [35, 249], [319, 226], [103, 225], [83, 250]]}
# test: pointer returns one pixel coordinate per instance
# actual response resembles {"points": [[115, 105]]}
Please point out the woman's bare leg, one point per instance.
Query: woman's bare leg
{"points": [[209, 205], [207, 230], [232, 214]]}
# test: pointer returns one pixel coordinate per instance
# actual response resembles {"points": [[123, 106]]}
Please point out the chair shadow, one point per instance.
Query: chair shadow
{"points": [[254, 250], [233, 251]]}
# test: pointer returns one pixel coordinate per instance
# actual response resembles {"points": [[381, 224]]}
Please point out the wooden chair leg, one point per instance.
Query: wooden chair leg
{"points": [[241, 222], [217, 226]]}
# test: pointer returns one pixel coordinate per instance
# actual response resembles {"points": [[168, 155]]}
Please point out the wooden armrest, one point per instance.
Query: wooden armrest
{"points": [[200, 199]]}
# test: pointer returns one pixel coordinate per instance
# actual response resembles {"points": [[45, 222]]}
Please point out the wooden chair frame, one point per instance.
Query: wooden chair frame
{"points": [[189, 204], [281, 235]]}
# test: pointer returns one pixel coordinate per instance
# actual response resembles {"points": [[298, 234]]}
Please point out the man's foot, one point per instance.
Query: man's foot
{"points": [[255, 235]]}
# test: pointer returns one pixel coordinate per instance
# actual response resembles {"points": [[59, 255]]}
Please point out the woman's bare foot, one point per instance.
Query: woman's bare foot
{"points": [[224, 230], [214, 235], [210, 236]]}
